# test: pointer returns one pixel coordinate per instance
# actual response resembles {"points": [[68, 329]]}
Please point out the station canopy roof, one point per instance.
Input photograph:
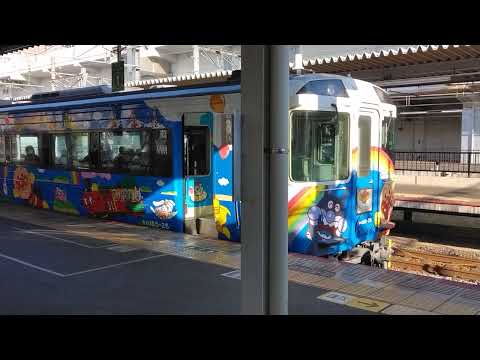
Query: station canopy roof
{"points": [[6, 49], [187, 79], [413, 55]]}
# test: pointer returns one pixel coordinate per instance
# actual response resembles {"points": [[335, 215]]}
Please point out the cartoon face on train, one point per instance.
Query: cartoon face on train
{"points": [[164, 209], [326, 222], [197, 193], [387, 201]]}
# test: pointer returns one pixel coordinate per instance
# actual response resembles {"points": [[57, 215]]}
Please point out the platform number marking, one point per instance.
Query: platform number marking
{"points": [[336, 297]]}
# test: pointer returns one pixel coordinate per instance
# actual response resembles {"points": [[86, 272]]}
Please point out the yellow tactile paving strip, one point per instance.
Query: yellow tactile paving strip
{"points": [[392, 294], [424, 300], [458, 306], [330, 284], [374, 285], [405, 310], [358, 289]]}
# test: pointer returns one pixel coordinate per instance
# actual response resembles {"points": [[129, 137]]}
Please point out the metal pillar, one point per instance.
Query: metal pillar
{"points": [[279, 74], [119, 53], [264, 270]]}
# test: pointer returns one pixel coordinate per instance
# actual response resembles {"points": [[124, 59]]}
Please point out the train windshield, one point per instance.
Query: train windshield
{"points": [[388, 134], [319, 146]]}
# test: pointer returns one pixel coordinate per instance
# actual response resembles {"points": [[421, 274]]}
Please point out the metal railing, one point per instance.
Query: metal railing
{"points": [[467, 162]]}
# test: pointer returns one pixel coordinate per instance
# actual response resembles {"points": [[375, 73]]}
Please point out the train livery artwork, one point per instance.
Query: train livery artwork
{"points": [[170, 159], [319, 215]]}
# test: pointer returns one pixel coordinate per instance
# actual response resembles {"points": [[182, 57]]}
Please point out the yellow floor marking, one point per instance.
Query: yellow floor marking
{"points": [[367, 304], [354, 301]]}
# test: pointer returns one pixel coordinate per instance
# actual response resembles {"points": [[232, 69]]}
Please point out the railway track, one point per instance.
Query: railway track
{"points": [[405, 258]]}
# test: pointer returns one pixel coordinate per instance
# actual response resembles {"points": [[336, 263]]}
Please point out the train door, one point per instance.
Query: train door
{"points": [[198, 187], [226, 175], [368, 177]]}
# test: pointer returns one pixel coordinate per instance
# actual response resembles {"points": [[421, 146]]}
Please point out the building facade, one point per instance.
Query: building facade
{"points": [[433, 86]]}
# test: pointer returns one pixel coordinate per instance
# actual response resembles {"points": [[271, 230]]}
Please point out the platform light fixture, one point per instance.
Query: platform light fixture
{"points": [[452, 111]]}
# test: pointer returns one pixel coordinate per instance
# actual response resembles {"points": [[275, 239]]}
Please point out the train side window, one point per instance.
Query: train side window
{"points": [[60, 151], [364, 140], [25, 149], [79, 151], [388, 134], [319, 146], [227, 129], [141, 161], [125, 151], [197, 150], [161, 153], [10, 148], [45, 150]]}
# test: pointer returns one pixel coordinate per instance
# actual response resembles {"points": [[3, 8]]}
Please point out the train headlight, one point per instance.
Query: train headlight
{"points": [[364, 200]]}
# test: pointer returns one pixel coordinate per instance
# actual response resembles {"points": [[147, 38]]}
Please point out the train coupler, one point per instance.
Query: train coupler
{"points": [[378, 254]]}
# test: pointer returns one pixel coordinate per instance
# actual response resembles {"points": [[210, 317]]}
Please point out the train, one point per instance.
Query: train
{"points": [[170, 158]]}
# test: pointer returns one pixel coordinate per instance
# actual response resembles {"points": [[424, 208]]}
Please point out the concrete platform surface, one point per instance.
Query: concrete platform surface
{"points": [[61, 264], [463, 200]]}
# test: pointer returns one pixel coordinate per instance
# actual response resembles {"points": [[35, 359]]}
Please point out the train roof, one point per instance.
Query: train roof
{"points": [[123, 97], [354, 88], [99, 96]]}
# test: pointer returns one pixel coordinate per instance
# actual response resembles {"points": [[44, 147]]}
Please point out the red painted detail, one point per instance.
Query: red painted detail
{"points": [[224, 151]]}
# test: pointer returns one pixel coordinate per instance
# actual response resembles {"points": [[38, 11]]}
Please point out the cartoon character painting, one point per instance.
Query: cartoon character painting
{"points": [[164, 209], [22, 183], [326, 224], [197, 193], [224, 151], [61, 202], [221, 215], [35, 198], [386, 203], [133, 122]]}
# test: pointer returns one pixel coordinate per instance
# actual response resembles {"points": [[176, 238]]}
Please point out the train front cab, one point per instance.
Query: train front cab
{"points": [[340, 185]]}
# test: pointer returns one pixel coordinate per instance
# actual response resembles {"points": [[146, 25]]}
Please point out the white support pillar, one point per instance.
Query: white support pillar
{"points": [[298, 58], [196, 59], [132, 68], [470, 136], [83, 77], [264, 193], [471, 126], [53, 73], [278, 212]]}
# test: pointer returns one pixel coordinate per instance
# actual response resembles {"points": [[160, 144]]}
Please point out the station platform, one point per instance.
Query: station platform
{"points": [[462, 200], [368, 290]]}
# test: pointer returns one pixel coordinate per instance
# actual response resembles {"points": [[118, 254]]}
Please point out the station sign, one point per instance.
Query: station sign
{"points": [[118, 76]]}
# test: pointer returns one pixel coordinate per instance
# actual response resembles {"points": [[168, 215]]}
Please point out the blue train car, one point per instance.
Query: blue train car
{"points": [[160, 158], [169, 158]]}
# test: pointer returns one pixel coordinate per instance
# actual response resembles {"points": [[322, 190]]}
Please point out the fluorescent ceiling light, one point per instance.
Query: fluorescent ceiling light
{"points": [[413, 81], [413, 112], [452, 111]]}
